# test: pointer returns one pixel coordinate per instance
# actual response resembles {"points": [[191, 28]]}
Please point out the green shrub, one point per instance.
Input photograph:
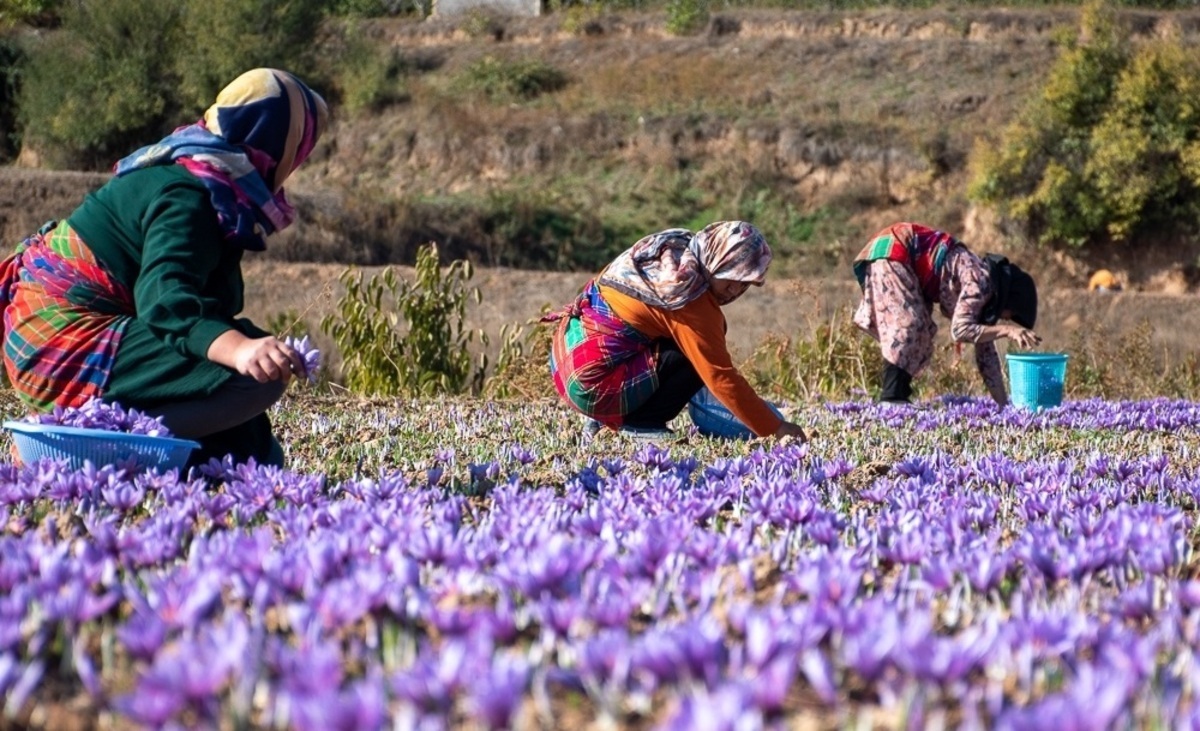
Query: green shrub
{"points": [[366, 76], [12, 58], [535, 229], [223, 38], [685, 17], [504, 80], [104, 85], [101, 86], [381, 8], [522, 369], [430, 354], [1139, 164], [32, 12], [1108, 147], [836, 361]]}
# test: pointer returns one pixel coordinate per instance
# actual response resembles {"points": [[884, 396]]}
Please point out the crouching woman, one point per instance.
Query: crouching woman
{"points": [[134, 297], [648, 332]]}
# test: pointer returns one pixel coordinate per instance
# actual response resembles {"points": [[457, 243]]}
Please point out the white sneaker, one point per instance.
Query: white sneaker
{"points": [[591, 428], [646, 434]]}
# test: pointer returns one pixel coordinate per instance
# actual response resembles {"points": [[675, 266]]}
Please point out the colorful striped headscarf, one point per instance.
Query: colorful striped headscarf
{"points": [[671, 268], [261, 128]]}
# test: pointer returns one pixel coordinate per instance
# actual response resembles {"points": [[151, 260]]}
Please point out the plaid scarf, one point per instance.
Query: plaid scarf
{"points": [[921, 248], [600, 365], [63, 319]]}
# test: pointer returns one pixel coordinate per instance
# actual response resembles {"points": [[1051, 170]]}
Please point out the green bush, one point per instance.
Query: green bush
{"points": [[12, 58], [1140, 164], [223, 38], [101, 86], [430, 354], [381, 8], [32, 12], [504, 80], [366, 76], [1107, 149], [685, 17], [835, 361]]}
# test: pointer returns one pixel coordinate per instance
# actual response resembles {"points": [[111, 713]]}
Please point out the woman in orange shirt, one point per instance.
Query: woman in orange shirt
{"points": [[648, 332]]}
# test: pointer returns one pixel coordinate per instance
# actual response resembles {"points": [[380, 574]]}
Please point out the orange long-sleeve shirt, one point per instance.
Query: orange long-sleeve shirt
{"points": [[698, 329]]}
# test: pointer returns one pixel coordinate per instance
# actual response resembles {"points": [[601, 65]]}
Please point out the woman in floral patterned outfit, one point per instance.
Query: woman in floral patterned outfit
{"points": [[907, 268]]}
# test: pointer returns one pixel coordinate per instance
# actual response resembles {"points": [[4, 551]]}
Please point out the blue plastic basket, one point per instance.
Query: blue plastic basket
{"points": [[1036, 379], [99, 446], [712, 419]]}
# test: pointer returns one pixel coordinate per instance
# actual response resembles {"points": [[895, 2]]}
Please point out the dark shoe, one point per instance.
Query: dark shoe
{"points": [[897, 385]]}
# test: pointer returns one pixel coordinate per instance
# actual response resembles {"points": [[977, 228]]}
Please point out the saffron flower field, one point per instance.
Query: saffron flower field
{"points": [[471, 564]]}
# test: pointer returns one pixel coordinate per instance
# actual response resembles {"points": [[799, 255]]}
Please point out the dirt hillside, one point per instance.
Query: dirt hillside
{"points": [[868, 114]]}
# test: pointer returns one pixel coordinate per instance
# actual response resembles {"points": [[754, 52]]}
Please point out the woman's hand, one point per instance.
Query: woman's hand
{"points": [[267, 359], [788, 429], [263, 359], [1022, 337]]}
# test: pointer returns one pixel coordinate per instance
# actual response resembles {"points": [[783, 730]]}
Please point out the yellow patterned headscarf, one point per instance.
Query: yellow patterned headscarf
{"points": [[262, 127]]}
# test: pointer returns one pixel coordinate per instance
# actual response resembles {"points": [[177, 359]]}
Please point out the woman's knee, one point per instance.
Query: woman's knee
{"points": [[263, 395]]}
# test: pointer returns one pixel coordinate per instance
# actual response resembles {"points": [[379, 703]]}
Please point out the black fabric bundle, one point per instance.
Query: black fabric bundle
{"points": [[1012, 289]]}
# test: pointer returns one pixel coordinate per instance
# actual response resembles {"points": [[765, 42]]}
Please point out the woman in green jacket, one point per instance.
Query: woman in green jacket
{"points": [[134, 297]]}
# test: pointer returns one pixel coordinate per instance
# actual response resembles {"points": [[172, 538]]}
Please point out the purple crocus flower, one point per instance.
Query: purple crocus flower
{"points": [[309, 353], [142, 634], [729, 708], [360, 707], [494, 697]]}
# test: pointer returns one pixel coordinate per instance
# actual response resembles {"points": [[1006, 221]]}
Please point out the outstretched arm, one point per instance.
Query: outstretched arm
{"points": [[264, 359]]}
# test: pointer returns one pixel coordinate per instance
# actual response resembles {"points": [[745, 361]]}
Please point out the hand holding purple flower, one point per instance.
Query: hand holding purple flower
{"points": [[309, 353]]}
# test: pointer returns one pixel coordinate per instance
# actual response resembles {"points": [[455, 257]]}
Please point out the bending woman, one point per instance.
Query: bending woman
{"points": [[648, 332], [134, 297], [906, 269]]}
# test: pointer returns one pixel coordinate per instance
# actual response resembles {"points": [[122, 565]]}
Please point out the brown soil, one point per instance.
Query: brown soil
{"points": [[872, 111], [788, 307]]}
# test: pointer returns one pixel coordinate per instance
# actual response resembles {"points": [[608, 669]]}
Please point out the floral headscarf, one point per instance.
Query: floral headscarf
{"points": [[671, 268], [262, 127]]}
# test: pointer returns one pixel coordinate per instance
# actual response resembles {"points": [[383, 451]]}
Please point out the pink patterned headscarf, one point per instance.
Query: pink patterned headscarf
{"points": [[671, 268]]}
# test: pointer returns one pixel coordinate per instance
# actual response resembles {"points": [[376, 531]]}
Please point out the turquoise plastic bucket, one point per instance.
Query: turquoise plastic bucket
{"points": [[1036, 379]]}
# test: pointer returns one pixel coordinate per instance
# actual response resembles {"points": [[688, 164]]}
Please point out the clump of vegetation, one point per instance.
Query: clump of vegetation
{"points": [[368, 77], [32, 12], [407, 338], [101, 85], [12, 56], [836, 361], [685, 17], [1109, 148], [217, 48], [502, 80]]}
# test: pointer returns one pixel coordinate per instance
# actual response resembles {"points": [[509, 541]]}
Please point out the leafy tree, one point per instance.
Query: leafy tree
{"points": [[121, 73], [223, 38], [102, 85], [1107, 149]]}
